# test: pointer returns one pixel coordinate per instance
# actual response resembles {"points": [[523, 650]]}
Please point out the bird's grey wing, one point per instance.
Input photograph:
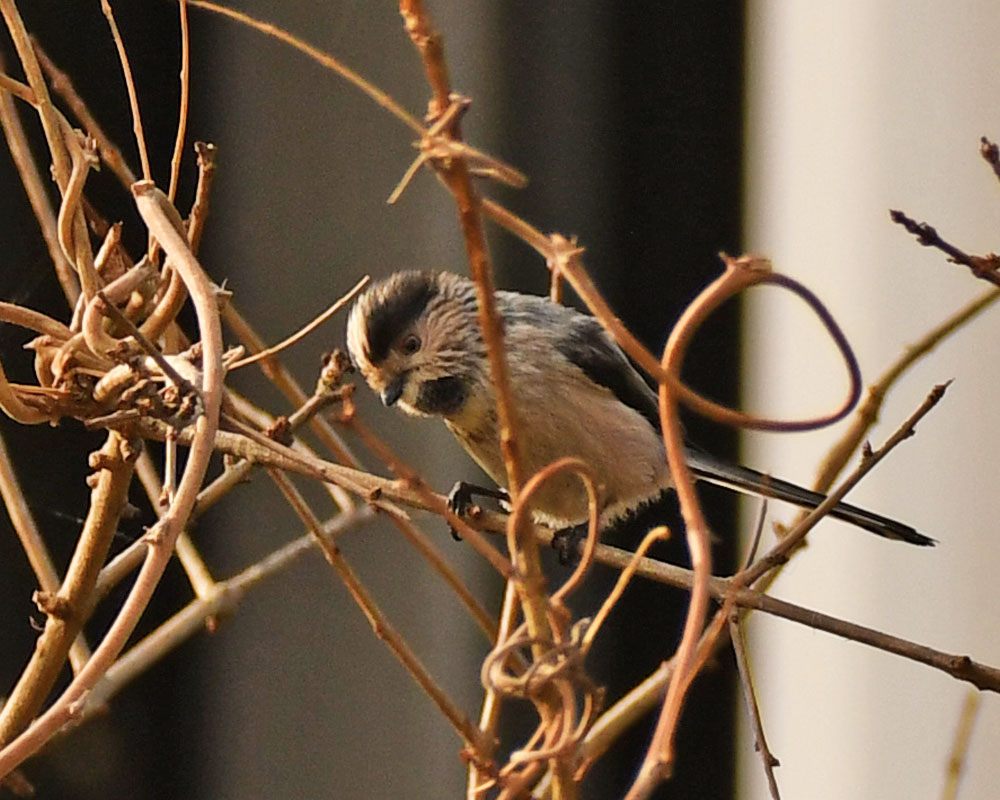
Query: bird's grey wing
{"points": [[587, 345]]}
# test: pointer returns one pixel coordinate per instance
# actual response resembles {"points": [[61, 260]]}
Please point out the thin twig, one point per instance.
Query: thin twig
{"points": [[305, 330], [779, 553], [958, 666], [182, 114], [206, 153], [986, 267], [133, 97], [221, 602], [991, 154], [381, 99], [63, 86], [34, 545], [50, 118], [279, 375], [68, 610], [194, 565], [750, 697], [960, 745], [657, 534], [164, 224], [383, 629], [31, 179], [868, 411]]}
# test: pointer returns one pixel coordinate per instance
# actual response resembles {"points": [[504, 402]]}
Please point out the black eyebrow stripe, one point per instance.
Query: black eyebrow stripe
{"points": [[403, 305]]}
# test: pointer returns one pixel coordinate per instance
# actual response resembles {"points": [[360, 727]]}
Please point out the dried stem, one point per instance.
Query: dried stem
{"points": [[991, 154], [960, 745], [779, 553], [63, 86], [868, 411], [305, 330], [17, 143], [164, 224], [381, 99], [34, 545], [753, 710], [962, 667], [986, 267], [182, 114], [455, 173], [68, 610], [383, 629], [133, 97]]}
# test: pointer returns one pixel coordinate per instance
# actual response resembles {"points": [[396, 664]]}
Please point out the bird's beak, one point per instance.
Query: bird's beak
{"points": [[392, 392]]}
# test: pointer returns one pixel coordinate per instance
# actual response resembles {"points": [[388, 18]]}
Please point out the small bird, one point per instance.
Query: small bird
{"points": [[415, 337]]}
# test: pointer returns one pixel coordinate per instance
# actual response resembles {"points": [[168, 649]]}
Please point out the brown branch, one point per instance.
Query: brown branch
{"points": [[133, 97], [991, 154], [455, 173], [31, 179], [380, 98], [381, 626], [63, 86], [961, 667], [182, 114], [868, 412], [986, 267], [739, 275], [73, 236], [113, 465], [165, 225], [780, 552], [34, 545], [753, 710], [206, 154]]}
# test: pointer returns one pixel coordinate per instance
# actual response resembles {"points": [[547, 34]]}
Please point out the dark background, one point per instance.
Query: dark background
{"points": [[629, 125]]}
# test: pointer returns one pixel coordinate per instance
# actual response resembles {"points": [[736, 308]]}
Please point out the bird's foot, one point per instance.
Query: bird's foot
{"points": [[460, 500], [566, 543]]}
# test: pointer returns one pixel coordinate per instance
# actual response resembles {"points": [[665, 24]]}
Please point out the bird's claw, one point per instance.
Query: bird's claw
{"points": [[460, 501], [566, 543]]}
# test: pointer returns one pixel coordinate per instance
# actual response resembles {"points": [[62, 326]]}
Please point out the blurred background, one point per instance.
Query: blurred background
{"points": [[659, 134]]}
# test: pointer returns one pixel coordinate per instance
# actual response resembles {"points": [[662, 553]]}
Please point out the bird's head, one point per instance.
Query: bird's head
{"points": [[414, 338]]}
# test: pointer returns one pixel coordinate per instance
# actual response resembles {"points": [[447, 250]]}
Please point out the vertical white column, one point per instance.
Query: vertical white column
{"points": [[856, 107]]}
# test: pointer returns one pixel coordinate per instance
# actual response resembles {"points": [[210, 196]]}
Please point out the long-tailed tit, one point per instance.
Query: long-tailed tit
{"points": [[416, 339]]}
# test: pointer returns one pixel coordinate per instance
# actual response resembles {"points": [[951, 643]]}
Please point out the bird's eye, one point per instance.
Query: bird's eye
{"points": [[410, 344]]}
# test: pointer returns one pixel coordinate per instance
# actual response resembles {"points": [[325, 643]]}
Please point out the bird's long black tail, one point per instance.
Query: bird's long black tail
{"points": [[749, 481]]}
